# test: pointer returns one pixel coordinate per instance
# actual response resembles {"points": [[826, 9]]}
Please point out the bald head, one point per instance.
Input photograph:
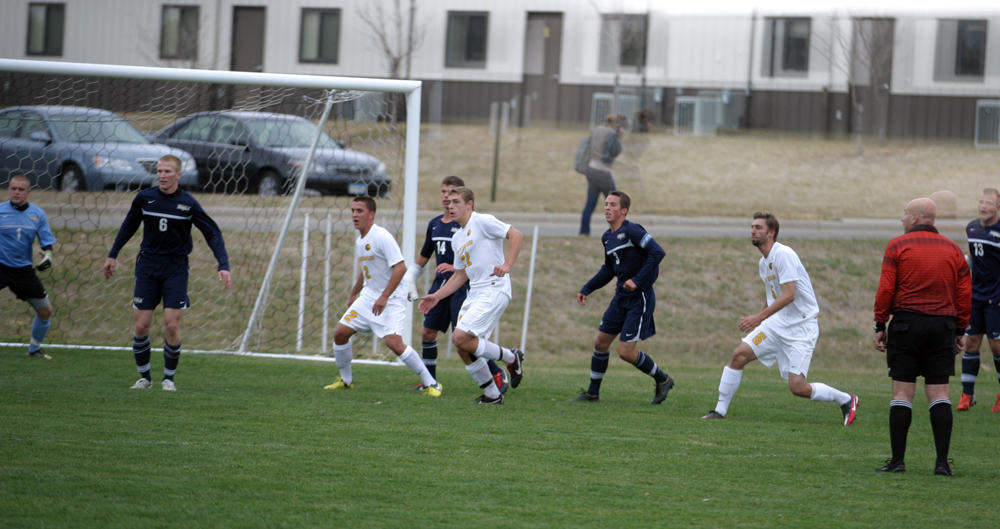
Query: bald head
{"points": [[918, 211]]}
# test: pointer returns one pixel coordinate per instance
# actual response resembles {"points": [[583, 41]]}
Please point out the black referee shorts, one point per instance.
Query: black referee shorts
{"points": [[920, 345]]}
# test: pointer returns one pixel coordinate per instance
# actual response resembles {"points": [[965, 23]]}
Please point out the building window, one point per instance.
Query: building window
{"points": [[960, 51], [787, 46], [466, 43], [623, 43], [319, 38], [970, 50], [179, 34], [45, 28]]}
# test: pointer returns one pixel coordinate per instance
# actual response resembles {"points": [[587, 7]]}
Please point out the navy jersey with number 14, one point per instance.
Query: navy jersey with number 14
{"points": [[438, 242]]}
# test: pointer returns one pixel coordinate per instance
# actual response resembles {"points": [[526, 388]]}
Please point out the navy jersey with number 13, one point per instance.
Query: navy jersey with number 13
{"points": [[984, 260]]}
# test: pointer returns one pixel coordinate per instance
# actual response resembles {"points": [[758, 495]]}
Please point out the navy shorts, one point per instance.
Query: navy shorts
{"points": [[445, 313], [985, 320], [919, 345], [160, 277], [631, 316]]}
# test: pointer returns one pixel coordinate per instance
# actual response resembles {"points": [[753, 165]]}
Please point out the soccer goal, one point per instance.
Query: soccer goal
{"points": [[88, 136]]}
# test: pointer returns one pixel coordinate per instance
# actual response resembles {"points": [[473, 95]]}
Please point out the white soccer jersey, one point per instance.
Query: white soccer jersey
{"points": [[377, 252], [479, 248], [782, 265]]}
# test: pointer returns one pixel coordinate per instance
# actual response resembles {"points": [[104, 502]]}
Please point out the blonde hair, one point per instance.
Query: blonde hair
{"points": [[172, 159]]}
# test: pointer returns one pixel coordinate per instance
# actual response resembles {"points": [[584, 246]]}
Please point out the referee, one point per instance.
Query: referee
{"points": [[927, 288]]}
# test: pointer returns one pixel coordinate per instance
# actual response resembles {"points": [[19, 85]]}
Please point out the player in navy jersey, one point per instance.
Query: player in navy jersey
{"points": [[438, 243], [984, 260], [631, 255], [166, 214], [20, 224]]}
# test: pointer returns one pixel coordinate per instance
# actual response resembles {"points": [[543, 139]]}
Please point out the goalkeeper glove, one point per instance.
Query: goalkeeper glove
{"points": [[46, 261], [410, 280]]}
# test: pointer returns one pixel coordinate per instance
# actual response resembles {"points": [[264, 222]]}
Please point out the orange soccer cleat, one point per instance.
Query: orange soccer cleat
{"points": [[965, 402]]}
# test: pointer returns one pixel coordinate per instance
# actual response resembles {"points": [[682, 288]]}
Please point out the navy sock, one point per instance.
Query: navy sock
{"points": [[171, 357], [646, 364], [429, 352], [140, 347], [494, 368], [996, 366], [970, 370], [900, 416], [941, 421], [598, 367]]}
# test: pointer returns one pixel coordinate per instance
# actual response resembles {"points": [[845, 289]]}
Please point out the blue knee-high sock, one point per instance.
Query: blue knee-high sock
{"points": [[171, 357], [140, 347], [598, 367], [39, 328], [970, 370], [429, 352], [646, 364]]}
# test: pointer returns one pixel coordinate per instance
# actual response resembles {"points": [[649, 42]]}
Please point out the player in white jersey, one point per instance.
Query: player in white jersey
{"points": [[378, 300], [479, 259], [785, 330]]}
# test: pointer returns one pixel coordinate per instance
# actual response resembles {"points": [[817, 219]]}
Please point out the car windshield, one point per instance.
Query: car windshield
{"points": [[96, 128], [286, 133]]}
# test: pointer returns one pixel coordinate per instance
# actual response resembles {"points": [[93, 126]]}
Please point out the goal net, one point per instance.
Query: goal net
{"points": [[89, 136]]}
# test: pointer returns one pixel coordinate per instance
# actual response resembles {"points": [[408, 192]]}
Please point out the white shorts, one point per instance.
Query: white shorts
{"points": [[481, 311], [792, 346], [392, 320]]}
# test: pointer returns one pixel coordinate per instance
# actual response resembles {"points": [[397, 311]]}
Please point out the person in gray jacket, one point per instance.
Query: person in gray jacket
{"points": [[605, 146]]}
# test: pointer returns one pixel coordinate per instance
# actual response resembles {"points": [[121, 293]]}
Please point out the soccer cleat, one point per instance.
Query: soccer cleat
{"points": [[996, 407], [944, 469], [515, 368], [142, 383], [40, 353], [586, 397], [892, 467], [483, 399], [502, 381], [714, 415], [417, 387], [967, 401], [339, 384], [432, 391], [168, 385], [662, 390], [850, 410]]}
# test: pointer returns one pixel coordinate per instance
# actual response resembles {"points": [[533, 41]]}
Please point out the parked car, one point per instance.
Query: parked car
{"points": [[79, 149], [262, 152]]}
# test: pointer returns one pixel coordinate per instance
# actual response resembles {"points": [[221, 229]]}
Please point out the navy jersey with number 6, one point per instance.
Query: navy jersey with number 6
{"points": [[166, 225], [984, 260], [629, 253], [438, 242]]}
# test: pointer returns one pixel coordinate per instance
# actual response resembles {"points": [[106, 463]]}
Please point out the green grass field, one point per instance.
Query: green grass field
{"points": [[249, 442]]}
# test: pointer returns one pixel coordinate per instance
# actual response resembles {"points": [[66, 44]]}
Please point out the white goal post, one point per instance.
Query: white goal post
{"points": [[408, 88]]}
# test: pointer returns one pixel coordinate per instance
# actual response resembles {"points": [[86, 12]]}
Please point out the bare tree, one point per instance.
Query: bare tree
{"points": [[867, 65], [394, 32]]}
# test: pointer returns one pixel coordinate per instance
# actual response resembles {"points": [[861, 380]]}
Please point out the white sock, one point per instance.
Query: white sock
{"points": [[416, 364], [481, 374], [823, 393], [343, 355], [493, 351], [728, 385]]}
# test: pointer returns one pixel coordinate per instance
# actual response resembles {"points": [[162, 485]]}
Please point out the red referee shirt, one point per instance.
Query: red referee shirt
{"points": [[926, 273]]}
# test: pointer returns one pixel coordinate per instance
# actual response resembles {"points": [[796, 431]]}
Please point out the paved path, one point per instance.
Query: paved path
{"points": [[549, 224]]}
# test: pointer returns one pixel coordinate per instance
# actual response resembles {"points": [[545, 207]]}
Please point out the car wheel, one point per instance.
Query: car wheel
{"points": [[269, 184], [71, 179]]}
